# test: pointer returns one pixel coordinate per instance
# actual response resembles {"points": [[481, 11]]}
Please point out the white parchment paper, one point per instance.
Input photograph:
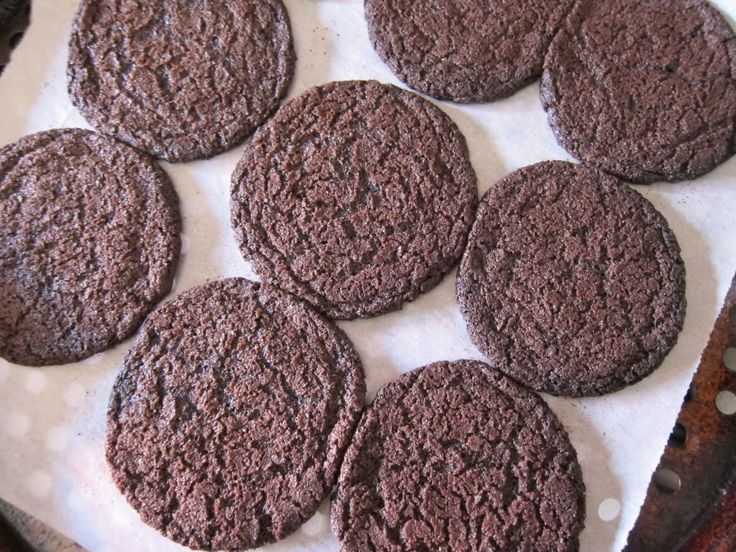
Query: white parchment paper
{"points": [[52, 419]]}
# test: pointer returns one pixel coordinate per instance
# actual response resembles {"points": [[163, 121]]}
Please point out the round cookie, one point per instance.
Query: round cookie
{"points": [[572, 283], [182, 80], [89, 243], [356, 196], [644, 89], [464, 50], [455, 456], [228, 423]]}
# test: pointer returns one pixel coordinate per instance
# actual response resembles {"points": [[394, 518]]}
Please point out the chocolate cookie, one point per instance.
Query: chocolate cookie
{"points": [[644, 89], [183, 80], [356, 196], [464, 50], [454, 456], [229, 420], [89, 242], [572, 283]]}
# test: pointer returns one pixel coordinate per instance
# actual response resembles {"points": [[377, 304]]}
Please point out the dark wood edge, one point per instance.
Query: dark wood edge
{"points": [[10, 539], [699, 513]]}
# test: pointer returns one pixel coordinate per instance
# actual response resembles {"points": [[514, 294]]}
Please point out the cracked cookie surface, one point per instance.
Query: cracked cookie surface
{"points": [[644, 89], [464, 50], [455, 456], [180, 79], [356, 196], [89, 242], [229, 419], [572, 282]]}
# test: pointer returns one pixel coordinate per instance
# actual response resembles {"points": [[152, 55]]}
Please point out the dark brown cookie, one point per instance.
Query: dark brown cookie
{"points": [[228, 422], [464, 50], [183, 80], [644, 89], [89, 242], [456, 457], [572, 283], [356, 196]]}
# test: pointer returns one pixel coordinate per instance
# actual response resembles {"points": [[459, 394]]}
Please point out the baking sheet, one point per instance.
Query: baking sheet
{"points": [[52, 419]]}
